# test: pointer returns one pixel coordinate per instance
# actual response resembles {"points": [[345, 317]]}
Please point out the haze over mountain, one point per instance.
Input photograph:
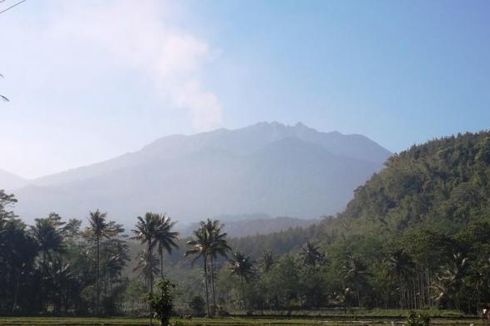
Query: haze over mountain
{"points": [[266, 168], [10, 181], [252, 224]]}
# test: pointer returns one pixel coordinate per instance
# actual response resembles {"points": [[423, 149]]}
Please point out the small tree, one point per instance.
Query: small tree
{"points": [[161, 302]]}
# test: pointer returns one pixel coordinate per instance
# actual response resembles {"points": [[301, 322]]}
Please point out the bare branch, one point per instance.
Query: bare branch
{"points": [[12, 6]]}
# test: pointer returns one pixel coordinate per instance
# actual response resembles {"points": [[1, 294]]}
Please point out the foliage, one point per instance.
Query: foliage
{"points": [[50, 268], [161, 302], [209, 243], [418, 319], [154, 230]]}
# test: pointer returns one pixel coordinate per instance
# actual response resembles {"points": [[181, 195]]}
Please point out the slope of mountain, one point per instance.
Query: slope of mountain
{"points": [[443, 184], [441, 187], [268, 168], [9, 181]]}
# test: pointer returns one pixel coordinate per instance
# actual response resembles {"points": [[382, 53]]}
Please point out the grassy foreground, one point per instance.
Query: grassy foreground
{"points": [[230, 321]]}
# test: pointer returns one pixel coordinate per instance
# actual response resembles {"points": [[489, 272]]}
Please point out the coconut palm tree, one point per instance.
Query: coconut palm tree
{"points": [[218, 247], [200, 245], [165, 238], [450, 280], [209, 243], [355, 273], [147, 265], [267, 261], [98, 229], [243, 267], [48, 235], [311, 255], [146, 232], [402, 268]]}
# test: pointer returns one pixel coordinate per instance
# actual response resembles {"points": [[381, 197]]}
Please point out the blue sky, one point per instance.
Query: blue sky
{"points": [[89, 80]]}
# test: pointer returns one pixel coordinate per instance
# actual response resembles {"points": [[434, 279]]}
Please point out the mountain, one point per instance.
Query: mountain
{"points": [[266, 168], [9, 181]]}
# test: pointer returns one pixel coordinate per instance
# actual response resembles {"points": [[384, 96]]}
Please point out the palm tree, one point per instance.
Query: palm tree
{"points": [[48, 236], [146, 232], [312, 255], [97, 230], [209, 242], [200, 245], [267, 261], [243, 267], [402, 268], [355, 273], [165, 238], [450, 280], [61, 280], [146, 265], [47, 233], [218, 247]]}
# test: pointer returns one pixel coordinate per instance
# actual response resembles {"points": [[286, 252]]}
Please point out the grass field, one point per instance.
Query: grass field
{"points": [[229, 321]]}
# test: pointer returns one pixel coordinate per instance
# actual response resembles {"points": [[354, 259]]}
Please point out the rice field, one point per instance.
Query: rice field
{"points": [[229, 321]]}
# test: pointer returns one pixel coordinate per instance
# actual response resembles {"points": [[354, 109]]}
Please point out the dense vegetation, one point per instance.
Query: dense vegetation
{"points": [[416, 235]]}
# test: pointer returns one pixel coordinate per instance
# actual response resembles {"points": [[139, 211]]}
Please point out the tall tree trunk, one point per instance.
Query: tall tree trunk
{"points": [[213, 288], [16, 293], [97, 300], [150, 262], [206, 283], [161, 264], [150, 255]]}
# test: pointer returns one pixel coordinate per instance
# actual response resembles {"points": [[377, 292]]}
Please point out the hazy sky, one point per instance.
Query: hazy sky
{"points": [[89, 80]]}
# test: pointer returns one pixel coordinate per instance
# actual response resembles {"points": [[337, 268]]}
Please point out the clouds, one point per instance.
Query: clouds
{"points": [[137, 36], [89, 80]]}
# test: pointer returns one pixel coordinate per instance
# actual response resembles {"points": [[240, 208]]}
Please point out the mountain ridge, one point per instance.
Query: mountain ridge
{"points": [[267, 167], [186, 140], [10, 181]]}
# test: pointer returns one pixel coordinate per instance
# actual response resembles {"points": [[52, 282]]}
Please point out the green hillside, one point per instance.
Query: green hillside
{"points": [[443, 184], [416, 235]]}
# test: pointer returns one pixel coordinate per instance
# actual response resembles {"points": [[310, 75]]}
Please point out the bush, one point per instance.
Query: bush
{"points": [[161, 302], [418, 319]]}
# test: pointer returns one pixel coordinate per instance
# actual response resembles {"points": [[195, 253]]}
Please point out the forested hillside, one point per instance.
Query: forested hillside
{"points": [[416, 235], [443, 184]]}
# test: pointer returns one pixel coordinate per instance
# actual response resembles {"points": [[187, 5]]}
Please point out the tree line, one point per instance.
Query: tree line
{"points": [[58, 267]]}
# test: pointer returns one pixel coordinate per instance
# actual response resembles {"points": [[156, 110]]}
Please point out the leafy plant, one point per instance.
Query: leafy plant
{"points": [[161, 302], [418, 319]]}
